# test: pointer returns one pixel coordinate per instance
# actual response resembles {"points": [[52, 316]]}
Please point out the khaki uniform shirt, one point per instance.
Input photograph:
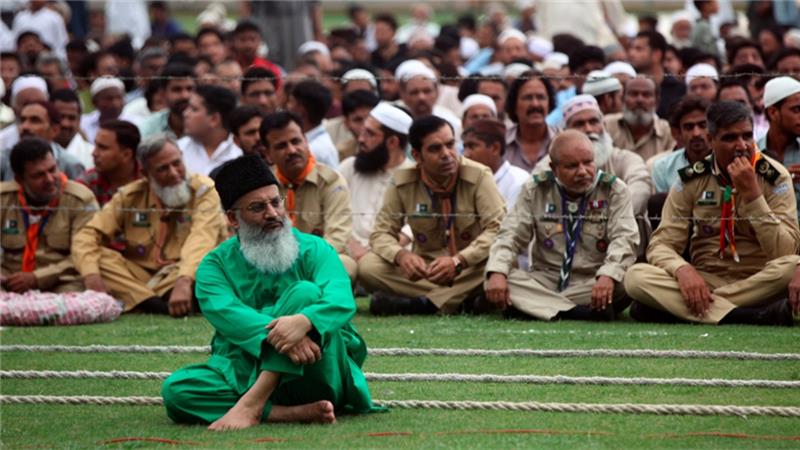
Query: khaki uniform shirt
{"points": [[75, 208], [323, 206], [765, 228], [659, 140], [609, 236], [130, 223], [479, 208], [346, 144]]}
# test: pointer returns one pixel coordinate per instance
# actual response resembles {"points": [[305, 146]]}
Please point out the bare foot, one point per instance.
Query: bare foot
{"points": [[239, 417], [317, 412]]}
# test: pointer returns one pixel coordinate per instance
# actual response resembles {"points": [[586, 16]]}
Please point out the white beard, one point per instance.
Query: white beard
{"points": [[172, 196], [269, 251], [637, 118], [603, 146]]}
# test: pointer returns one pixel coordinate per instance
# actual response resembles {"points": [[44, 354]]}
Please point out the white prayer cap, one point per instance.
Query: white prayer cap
{"points": [[555, 60], [359, 74], [599, 82], [525, 4], [313, 46], [468, 47], [479, 99], [618, 67], [778, 89], [27, 82], [392, 117], [792, 38], [579, 103], [539, 46], [104, 83], [511, 33], [515, 70], [682, 15], [413, 68], [701, 70]]}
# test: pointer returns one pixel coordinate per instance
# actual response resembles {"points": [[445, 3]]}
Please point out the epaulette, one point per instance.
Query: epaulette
{"points": [[767, 170], [78, 190], [8, 186], [698, 169], [471, 172], [406, 176], [607, 179], [327, 174], [543, 177], [134, 186]]}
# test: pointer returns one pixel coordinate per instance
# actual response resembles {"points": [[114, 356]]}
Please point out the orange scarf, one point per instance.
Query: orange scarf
{"points": [[445, 194], [33, 230], [727, 235], [291, 185]]}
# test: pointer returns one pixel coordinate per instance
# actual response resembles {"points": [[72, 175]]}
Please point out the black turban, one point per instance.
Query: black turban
{"points": [[239, 176]]}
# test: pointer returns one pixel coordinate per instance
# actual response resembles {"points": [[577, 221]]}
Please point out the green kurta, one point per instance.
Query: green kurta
{"points": [[240, 301]]}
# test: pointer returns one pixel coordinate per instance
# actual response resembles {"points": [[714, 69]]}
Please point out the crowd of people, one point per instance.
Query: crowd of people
{"points": [[542, 168]]}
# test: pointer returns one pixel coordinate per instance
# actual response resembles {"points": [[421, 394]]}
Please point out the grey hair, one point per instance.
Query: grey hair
{"points": [[151, 53], [152, 145], [51, 58], [726, 113]]}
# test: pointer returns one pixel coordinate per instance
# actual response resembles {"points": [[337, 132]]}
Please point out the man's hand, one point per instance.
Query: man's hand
{"points": [[442, 271], [180, 301], [20, 282], [694, 290], [305, 352], [413, 266], [794, 292], [288, 331], [497, 290], [94, 282], [794, 170], [602, 292], [744, 179], [357, 251]]}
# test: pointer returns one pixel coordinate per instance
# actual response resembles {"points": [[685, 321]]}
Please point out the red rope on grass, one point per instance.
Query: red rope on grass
{"points": [[147, 439], [758, 437]]}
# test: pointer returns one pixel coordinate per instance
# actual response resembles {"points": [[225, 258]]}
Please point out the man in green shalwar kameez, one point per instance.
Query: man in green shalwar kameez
{"points": [[281, 303]]}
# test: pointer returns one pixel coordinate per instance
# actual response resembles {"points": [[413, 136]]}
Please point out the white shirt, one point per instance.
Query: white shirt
{"points": [[9, 136], [197, 160], [128, 17], [79, 148], [48, 24], [510, 180], [322, 146], [90, 123]]}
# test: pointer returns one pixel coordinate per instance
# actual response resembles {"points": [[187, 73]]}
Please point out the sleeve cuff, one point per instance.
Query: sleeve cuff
{"points": [[614, 272]]}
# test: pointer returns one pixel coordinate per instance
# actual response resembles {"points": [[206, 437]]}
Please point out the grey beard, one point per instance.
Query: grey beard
{"points": [[172, 196], [270, 252], [603, 146], [637, 118]]}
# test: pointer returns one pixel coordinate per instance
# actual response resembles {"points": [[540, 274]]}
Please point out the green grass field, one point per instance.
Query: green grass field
{"points": [[45, 426]]}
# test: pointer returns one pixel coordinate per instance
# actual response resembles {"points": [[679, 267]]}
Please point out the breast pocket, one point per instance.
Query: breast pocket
{"points": [[707, 221], [468, 228], [427, 232], [13, 242]]}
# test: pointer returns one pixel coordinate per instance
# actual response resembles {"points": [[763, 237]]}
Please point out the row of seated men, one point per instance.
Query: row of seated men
{"points": [[440, 238]]}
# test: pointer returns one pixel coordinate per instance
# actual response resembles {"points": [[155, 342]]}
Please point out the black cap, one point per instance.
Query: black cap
{"points": [[239, 176]]}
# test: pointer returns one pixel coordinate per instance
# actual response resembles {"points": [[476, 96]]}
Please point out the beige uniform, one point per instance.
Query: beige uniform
{"points": [[608, 242], [479, 208], [54, 269], [658, 140], [119, 243], [323, 209], [346, 144], [766, 233]]}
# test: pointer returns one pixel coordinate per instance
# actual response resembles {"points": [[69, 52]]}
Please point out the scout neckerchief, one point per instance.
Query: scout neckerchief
{"points": [[572, 222], [446, 195], [35, 219], [291, 185], [727, 236]]}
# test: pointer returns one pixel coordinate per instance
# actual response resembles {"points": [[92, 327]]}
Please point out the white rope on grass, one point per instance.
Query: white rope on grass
{"points": [[390, 351], [606, 408], [439, 377]]}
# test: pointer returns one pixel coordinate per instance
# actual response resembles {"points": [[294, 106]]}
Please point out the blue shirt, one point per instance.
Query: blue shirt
{"points": [[665, 169], [791, 155]]}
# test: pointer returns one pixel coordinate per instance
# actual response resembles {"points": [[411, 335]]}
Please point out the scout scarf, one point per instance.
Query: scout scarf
{"points": [[446, 195], [35, 220], [291, 185], [727, 236]]}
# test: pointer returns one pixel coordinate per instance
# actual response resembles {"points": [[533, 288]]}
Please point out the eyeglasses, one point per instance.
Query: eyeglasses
{"points": [[259, 207]]}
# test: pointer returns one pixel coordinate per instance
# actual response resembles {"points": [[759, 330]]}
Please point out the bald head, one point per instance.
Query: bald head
{"points": [[568, 141]]}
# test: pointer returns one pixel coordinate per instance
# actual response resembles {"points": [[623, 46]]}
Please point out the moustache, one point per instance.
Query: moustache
{"points": [[534, 109]]}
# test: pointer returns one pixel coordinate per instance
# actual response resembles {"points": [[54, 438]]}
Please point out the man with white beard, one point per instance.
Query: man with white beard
{"points": [[582, 113], [144, 246], [280, 302]]}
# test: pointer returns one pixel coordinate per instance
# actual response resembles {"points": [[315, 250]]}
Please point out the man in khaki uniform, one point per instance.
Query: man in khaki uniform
{"points": [[454, 209], [580, 221], [744, 240], [144, 246], [36, 242], [317, 198]]}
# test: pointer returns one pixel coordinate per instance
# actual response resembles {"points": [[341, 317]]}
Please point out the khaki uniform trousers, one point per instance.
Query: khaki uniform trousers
{"points": [[535, 293], [375, 274], [351, 266], [132, 283], [654, 287]]}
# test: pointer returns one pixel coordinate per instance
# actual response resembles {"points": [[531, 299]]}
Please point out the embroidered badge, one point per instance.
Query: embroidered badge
{"points": [[550, 208], [598, 204], [141, 250], [602, 245], [421, 238], [780, 189], [708, 230], [707, 198], [141, 219], [466, 236], [422, 207], [10, 227], [548, 244]]}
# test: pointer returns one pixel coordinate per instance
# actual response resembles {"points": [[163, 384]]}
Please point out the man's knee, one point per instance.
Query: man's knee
{"points": [[178, 399], [369, 269], [635, 277], [301, 294]]}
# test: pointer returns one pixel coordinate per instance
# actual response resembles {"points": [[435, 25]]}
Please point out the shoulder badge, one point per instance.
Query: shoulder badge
{"points": [[542, 177], [695, 170], [607, 178], [766, 170]]}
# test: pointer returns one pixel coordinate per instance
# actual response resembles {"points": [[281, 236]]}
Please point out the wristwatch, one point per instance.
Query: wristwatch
{"points": [[459, 265]]}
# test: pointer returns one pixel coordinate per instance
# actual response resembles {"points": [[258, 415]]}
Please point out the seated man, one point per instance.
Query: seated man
{"points": [[40, 213], [745, 236], [144, 246], [115, 159], [280, 302], [454, 209], [580, 221], [317, 198]]}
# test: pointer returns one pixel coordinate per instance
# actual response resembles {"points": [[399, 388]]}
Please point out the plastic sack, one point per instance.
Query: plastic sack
{"points": [[46, 308]]}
